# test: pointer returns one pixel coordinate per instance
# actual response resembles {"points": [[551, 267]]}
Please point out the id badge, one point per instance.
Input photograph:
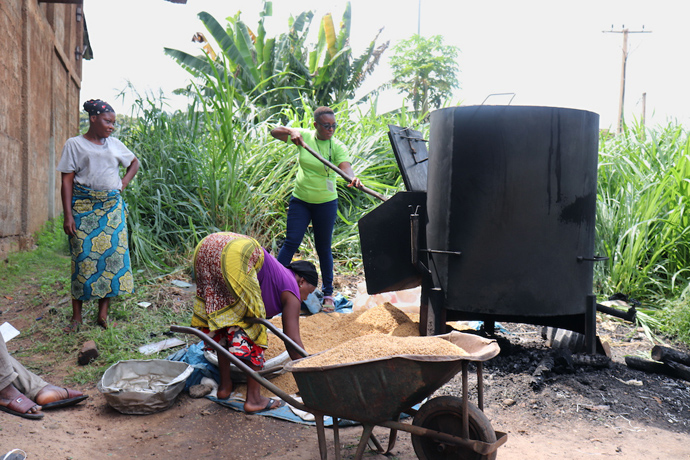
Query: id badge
{"points": [[330, 185]]}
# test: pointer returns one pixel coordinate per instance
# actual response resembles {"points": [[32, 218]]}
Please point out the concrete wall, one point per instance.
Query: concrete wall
{"points": [[40, 79]]}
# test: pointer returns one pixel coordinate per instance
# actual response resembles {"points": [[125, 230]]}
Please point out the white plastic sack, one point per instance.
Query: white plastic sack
{"points": [[143, 386], [407, 300]]}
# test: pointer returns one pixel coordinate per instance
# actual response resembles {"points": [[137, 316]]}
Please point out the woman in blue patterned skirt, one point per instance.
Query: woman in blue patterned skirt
{"points": [[95, 213]]}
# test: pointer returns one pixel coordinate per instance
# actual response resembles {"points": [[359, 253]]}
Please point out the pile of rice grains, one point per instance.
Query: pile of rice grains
{"points": [[369, 334], [380, 346]]}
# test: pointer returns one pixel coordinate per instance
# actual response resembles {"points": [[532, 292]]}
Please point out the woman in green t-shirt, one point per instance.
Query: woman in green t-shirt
{"points": [[314, 198]]}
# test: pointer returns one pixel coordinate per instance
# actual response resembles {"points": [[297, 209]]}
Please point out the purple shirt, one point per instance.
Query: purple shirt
{"points": [[275, 279]]}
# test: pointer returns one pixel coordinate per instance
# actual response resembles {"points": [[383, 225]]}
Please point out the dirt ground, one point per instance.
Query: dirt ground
{"points": [[573, 412]]}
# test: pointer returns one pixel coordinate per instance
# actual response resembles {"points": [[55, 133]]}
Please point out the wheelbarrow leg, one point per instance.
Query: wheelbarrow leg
{"points": [[321, 433], [375, 445], [336, 438], [392, 438], [465, 401], [369, 439], [366, 435]]}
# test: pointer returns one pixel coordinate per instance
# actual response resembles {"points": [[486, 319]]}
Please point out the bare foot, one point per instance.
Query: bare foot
{"points": [[223, 393]]}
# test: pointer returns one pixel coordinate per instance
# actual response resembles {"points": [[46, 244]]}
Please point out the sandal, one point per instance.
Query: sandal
{"points": [[269, 406], [102, 322], [53, 397], [72, 327], [15, 454], [328, 307], [20, 406]]}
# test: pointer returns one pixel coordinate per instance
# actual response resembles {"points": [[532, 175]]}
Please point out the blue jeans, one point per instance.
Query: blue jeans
{"points": [[322, 217]]}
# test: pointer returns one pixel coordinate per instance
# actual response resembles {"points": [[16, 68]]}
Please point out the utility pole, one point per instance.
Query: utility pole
{"points": [[625, 33], [419, 17]]}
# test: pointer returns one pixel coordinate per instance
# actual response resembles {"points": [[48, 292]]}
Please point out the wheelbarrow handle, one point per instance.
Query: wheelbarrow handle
{"points": [[241, 365], [279, 333], [343, 174], [480, 447]]}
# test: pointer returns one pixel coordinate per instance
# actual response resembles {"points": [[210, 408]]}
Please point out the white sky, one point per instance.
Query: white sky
{"points": [[547, 52]]}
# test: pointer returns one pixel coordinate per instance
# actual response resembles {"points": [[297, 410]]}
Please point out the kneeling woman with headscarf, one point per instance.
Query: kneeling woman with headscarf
{"points": [[237, 279]]}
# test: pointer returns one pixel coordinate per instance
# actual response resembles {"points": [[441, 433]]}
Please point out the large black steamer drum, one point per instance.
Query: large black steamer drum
{"points": [[506, 223]]}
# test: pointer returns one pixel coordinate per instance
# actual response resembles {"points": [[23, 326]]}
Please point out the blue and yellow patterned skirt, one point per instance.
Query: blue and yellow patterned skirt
{"points": [[100, 250]]}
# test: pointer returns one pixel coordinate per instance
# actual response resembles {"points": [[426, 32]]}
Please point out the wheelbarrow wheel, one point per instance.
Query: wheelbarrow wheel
{"points": [[444, 414]]}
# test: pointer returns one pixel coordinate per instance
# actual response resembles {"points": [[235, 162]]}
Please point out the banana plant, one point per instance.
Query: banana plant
{"points": [[282, 71], [336, 75], [254, 64]]}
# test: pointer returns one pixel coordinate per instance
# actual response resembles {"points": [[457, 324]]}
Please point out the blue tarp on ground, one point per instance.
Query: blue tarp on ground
{"points": [[194, 356], [314, 303]]}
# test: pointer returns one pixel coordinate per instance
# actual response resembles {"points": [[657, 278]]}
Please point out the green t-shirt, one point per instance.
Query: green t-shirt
{"points": [[315, 181]]}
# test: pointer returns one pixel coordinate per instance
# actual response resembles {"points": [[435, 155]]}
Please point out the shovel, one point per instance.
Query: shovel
{"points": [[343, 175]]}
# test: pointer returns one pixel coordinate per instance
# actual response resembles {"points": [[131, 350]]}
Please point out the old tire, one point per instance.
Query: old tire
{"points": [[444, 414]]}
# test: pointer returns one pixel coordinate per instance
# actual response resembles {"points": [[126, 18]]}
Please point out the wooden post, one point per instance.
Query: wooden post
{"points": [[621, 99]]}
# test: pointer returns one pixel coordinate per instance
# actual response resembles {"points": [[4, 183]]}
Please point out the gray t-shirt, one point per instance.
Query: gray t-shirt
{"points": [[95, 166]]}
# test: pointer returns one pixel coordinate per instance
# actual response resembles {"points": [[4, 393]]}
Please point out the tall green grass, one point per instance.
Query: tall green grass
{"points": [[213, 168], [216, 167], [48, 264], [643, 224], [642, 212]]}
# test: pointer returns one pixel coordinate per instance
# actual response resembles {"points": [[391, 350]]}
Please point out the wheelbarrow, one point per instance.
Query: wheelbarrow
{"points": [[377, 392]]}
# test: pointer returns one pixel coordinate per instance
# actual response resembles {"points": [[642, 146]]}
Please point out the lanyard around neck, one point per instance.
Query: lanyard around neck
{"points": [[330, 151]]}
